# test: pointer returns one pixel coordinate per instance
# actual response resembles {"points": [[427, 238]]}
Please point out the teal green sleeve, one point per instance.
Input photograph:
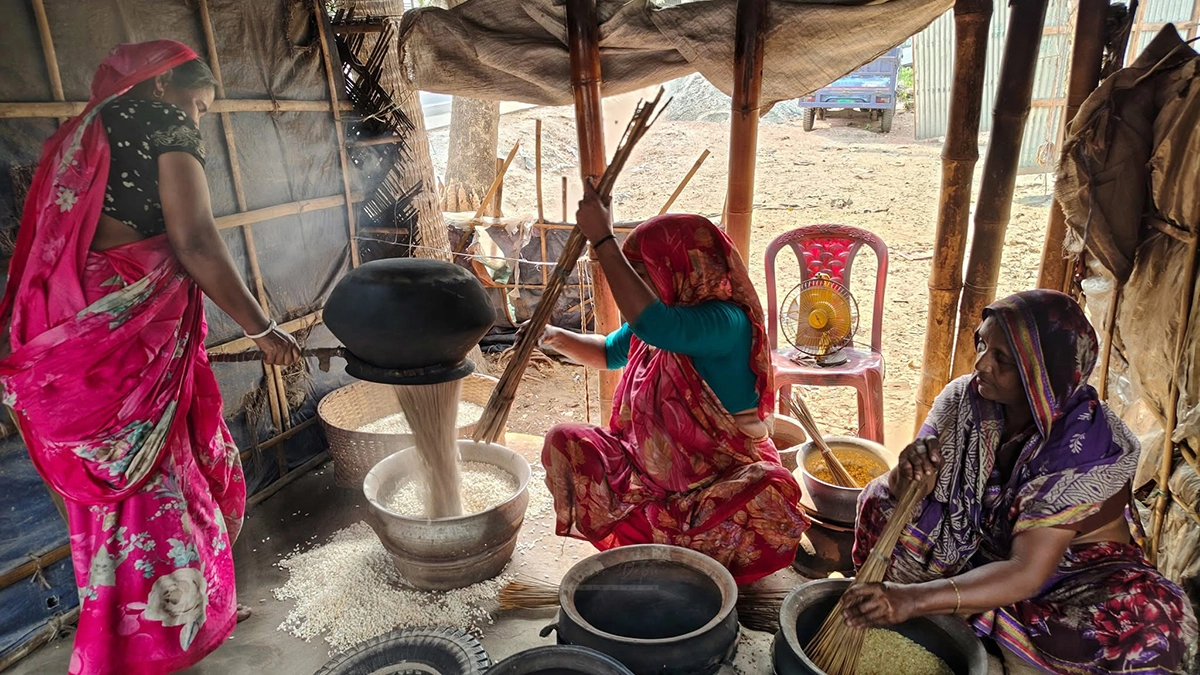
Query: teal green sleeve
{"points": [[707, 329], [616, 347]]}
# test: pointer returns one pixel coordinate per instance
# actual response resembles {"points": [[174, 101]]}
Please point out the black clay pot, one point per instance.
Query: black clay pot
{"points": [[409, 320], [559, 660], [805, 609], [659, 610]]}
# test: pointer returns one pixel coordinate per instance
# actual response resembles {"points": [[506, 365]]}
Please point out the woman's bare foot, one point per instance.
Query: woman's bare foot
{"points": [[243, 613]]}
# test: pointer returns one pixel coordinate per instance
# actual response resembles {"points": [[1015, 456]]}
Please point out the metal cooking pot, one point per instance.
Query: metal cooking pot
{"points": [[805, 609], [834, 502], [409, 320], [439, 555], [657, 609]]}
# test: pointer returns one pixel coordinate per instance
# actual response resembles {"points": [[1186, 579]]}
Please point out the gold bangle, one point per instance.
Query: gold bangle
{"points": [[957, 596]]}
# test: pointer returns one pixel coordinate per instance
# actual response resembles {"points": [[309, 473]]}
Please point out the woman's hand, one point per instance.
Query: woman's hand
{"points": [[920, 461], [279, 348], [552, 336], [879, 604], [594, 217]]}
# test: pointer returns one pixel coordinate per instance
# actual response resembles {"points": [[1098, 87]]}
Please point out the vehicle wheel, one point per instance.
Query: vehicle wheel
{"points": [[450, 651], [810, 114], [885, 122]]}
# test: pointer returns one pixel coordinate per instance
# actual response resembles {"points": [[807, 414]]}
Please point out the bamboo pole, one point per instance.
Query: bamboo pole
{"points": [[280, 210], [537, 151], [1087, 57], [276, 389], [324, 37], [23, 572], [565, 216], [960, 153], [684, 183], [497, 182], [1183, 321], [1110, 325], [48, 52], [243, 343], [749, 43], [61, 109], [994, 208], [583, 40]]}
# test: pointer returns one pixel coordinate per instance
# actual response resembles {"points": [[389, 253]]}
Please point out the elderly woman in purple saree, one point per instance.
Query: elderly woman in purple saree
{"points": [[1027, 529]]}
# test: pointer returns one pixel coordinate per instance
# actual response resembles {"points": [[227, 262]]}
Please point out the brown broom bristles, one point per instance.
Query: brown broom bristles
{"points": [[840, 475], [757, 608], [836, 647], [495, 414]]}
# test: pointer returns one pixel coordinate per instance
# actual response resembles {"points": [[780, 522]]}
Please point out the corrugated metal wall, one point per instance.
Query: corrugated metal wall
{"points": [[933, 58]]}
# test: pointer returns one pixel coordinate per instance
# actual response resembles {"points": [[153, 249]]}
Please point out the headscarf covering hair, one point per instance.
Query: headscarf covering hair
{"points": [[691, 261]]}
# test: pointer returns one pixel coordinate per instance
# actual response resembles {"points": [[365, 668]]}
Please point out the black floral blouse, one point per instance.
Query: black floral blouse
{"points": [[139, 131]]}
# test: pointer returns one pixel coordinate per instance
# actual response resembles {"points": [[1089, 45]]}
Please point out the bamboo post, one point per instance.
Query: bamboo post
{"points": [[1087, 57], [684, 183], [1110, 324], [276, 389], [537, 151], [960, 153], [583, 40], [1013, 95], [1168, 450], [749, 43], [48, 52], [566, 216], [498, 200], [490, 199], [324, 36]]}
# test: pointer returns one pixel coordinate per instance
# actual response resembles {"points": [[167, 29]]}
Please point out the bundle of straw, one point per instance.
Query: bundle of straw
{"points": [[836, 647], [800, 411], [757, 607], [495, 414]]}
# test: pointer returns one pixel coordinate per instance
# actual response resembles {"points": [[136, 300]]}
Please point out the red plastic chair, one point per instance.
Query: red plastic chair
{"points": [[830, 249]]}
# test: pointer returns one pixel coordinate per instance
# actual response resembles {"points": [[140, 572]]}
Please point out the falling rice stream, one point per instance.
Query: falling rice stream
{"points": [[432, 411]]}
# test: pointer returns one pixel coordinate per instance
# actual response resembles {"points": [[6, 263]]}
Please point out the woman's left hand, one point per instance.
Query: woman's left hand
{"points": [[878, 604], [594, 217]]}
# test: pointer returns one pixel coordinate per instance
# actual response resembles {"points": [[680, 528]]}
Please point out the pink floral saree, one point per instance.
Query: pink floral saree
{"points": [[109, 383]]}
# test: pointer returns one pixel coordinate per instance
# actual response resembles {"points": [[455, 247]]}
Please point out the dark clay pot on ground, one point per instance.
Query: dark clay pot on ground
{"points": [[805, 609], [415, 317], [657, 609], [559, 660]]}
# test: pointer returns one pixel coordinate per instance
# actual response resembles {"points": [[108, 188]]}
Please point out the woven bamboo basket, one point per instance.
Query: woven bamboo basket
{"points": [[346, 410]]}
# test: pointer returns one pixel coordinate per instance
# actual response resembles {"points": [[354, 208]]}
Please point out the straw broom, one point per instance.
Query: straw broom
{"points": [[800, 411], [837, 647], [757, 607], [495, 414]]}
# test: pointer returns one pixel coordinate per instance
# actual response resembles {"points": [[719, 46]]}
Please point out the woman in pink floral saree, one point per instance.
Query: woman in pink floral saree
{"points": [[107, 376]]}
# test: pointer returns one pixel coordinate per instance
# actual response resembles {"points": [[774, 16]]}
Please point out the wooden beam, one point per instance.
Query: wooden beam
{"points": [[994, 207], [48, 53], [327, 57], [30, 568], [749, 43], [243, 344], [583, 41], [280, 438], [537, 151], [683, 183], [60, 109], [1087, 57], [279, 211], [960, 153]]}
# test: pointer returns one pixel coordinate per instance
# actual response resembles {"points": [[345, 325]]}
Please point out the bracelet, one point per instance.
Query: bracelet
{"points": [[270, 329], [604, 240], [957, 595]]}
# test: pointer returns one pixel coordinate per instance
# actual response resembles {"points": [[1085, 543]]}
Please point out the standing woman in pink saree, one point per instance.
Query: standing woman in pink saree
{"points": [[107, 375]]}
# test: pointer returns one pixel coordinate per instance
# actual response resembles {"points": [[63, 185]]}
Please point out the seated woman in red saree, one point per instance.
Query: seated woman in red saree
{"points": [[1026, 529], [686, 459], [107, 376]]}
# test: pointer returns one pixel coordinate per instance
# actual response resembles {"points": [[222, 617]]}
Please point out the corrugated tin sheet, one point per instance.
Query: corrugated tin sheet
{"points": [[933, 58]]}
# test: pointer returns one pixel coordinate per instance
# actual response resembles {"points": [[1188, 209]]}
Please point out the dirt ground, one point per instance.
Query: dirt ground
{"points": [[842, 172]]}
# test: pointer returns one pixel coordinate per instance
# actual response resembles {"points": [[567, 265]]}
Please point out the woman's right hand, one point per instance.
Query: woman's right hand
{"points": [[552, 336], [920, 461], [279, 348]]}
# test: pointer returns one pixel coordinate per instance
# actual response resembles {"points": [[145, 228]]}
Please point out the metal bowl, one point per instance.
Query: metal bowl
{"points": [[439, 555], [805, 609], [833, 502]]}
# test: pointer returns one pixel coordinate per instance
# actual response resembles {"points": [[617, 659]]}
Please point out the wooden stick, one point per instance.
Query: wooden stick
{"points": [[1110, 325], [1087, 57], [497, 181], [684, 183], [960, 153], [324, 36], [566, 217], [382, 140], [1183, 321], [243, 343], [280, 210], [495, 414], [994, 207], [26, 570], [537, 153], [749, 44], [62, 109], [48, 53], [45, 635]]}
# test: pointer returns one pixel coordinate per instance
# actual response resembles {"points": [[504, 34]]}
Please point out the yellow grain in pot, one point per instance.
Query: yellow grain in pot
{"points": [[886, 652], [862, 465]]}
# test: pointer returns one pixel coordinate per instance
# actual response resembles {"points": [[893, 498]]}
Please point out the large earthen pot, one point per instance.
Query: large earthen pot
{"points": [[409, 320]]}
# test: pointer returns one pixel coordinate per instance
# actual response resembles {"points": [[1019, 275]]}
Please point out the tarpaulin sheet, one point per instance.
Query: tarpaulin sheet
{"points": [[516, 50]]}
